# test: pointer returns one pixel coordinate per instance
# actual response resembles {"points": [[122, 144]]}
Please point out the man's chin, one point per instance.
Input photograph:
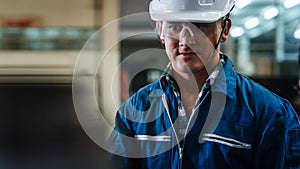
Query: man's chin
{"points": [[192, 69]]}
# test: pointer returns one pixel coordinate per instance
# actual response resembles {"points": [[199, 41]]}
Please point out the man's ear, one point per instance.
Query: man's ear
{"points": [[227, 29], [162, 40], [158, 31]]}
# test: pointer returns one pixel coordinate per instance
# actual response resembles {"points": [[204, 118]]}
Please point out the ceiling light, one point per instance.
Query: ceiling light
{"points": [[297, 34], [251, 23], [291, 3], [242, 3], [271, 13], [236, 32]]}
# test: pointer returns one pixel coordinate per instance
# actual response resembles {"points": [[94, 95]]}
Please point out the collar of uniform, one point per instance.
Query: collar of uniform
{"points": [[168, 77], [225, 80], [216, 72]]}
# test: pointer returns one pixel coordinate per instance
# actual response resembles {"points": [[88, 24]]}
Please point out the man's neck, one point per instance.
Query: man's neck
{"points": [[190, 86], [191, 83]]}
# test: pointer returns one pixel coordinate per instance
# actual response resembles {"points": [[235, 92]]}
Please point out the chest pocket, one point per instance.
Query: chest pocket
{"points": [[155, 150], [229, 146]]}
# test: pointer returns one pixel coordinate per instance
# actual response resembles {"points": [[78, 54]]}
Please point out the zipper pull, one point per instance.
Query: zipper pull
{"points": [[180, 153], [180, 157], [182, 120]]}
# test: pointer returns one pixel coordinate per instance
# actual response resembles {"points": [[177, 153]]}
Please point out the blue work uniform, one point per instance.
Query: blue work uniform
{"points": [[236, 123]]}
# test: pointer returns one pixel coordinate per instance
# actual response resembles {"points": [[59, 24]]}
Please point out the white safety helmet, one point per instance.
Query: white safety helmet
{"points": [[203, 11]]}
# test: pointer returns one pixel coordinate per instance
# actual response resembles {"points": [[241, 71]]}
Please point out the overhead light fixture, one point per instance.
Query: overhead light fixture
{"points": [[270, 12], [251, 23], [297, 34], [236, 32], [291, 3], [242, 3]]}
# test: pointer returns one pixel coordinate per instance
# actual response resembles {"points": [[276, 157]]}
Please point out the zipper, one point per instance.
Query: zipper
{"points": [[193, 112], [180, 149], [164, 100]]}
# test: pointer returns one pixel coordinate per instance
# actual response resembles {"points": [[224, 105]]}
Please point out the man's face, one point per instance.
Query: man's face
{"points": [[191, 46]]}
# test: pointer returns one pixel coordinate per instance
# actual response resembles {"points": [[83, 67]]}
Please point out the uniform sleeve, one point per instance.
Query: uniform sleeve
{"points": [[120, 147], [292, 153], [278, 143]]}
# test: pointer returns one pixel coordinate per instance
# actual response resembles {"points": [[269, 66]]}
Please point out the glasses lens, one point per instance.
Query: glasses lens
{"points": [[182, 29], [171, 29]]}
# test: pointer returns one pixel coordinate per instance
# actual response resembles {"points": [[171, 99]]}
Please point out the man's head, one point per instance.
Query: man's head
{"points": [[191, 30]]}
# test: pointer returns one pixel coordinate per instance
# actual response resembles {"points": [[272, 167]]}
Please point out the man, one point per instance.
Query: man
{"points": [[201, 113]]}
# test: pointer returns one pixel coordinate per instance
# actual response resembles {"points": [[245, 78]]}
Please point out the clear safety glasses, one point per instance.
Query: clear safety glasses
{"points": [[177, 30]]}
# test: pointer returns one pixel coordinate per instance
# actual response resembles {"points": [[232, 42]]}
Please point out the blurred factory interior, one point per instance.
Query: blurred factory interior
{"points": [[41, 40]]}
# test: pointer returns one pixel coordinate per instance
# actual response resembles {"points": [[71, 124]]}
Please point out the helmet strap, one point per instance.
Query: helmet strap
{"points": [[223, 31]]}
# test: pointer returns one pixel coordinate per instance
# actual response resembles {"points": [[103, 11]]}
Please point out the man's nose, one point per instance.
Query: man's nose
{"points": [[187, 36]]}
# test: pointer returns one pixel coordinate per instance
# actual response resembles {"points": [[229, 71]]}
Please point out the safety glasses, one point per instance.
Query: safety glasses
{"points": [[177, 30]]}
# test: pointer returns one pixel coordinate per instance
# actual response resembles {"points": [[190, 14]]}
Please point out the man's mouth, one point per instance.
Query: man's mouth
{"points": [[187, 54]]}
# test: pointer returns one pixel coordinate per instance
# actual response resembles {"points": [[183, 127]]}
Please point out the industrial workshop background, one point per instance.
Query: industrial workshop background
{"points": [[40, 41]]}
